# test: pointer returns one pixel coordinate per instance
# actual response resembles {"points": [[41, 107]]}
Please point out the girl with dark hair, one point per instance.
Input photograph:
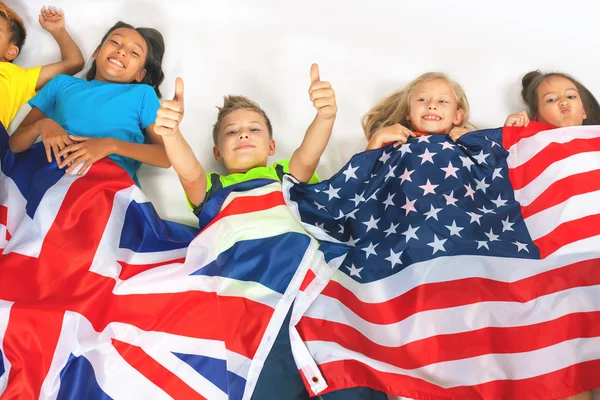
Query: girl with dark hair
{"points": [[111, 114], [556, 99]]}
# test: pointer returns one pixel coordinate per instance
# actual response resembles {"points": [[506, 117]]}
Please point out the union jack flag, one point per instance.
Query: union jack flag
{"points": [[100, 298], [473, 268]]}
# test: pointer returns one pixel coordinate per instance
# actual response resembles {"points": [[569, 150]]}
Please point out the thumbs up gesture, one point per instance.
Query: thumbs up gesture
{"points": [[170, 113], [322, 95]]}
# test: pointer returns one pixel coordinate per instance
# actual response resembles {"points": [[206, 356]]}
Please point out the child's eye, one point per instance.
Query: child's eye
{"points": [[420, 99], [255, 129], [114, 42], [230, 133], [444, 101], [573, 96], [135, 54], [551, 100]]}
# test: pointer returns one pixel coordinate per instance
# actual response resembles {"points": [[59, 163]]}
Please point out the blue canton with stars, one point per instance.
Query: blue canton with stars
{"points": [[428, 198]]}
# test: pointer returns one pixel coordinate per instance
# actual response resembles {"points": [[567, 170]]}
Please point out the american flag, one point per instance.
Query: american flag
{"points": [[100, 298], [473, 270]]}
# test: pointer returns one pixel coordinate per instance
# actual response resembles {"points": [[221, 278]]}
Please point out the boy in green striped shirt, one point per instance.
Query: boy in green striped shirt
{"points": [[243, 139]]}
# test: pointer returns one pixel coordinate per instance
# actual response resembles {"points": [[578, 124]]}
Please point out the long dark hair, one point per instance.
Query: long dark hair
{"points": [[532, 80], [156, 50]]}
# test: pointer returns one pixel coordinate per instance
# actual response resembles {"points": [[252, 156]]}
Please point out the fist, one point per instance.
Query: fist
{"points": [[518, 119], [321, 95], [170, 113]]}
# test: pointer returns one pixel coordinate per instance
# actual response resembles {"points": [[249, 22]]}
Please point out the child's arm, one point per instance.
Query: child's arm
{"points": [[88, 150], [305, 159], [188, 168], [72, 59], [36, 124]]}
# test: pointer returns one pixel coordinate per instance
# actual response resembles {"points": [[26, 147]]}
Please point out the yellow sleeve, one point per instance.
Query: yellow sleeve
{"points": [[17, 87]]}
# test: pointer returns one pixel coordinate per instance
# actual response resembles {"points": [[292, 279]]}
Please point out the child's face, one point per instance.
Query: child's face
{"points": [[243, 141], [121, 57], [8, 51], [433, 107], [559, 103]]}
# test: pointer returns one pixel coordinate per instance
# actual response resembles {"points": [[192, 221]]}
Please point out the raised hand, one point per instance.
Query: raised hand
{"points": [[321, 94], [170, 113]]}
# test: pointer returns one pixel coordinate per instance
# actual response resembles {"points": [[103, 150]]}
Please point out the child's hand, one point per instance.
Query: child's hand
{"points": [[518, 119], [54, 137], [457, 132], [322, 95], [394, 133], [86, 150], [52, 20], [170, 113]]}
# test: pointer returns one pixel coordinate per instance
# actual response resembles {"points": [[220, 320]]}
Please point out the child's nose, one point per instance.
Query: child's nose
{"points": [[244, 134], [432, 106]]}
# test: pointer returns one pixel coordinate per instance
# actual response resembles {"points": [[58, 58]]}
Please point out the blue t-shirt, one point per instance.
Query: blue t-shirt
{"points": [[100, 110]]}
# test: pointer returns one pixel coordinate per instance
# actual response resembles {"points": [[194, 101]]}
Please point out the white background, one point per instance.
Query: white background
{"points": [[367, 49]]}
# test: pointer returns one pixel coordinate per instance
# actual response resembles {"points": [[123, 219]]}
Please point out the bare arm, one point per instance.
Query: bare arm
{"points": [[188, 168], [28, 132], [72, 59], [306, 158], [88, 150]]}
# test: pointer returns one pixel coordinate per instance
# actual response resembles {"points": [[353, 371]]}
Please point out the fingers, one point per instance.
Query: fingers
{"points": [[48, 148], [78, 158], [172, 105], [518, 119], [70, 149], [319, 85], [314, 73], [78, 138], [322, 93], [70, 159], [86, 165]]}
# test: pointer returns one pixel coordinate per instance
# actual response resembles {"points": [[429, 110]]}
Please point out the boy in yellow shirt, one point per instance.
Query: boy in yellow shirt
{"points": [[18, 85]]}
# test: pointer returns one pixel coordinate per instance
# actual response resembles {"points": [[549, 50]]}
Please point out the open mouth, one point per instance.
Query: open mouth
{"points": [[116, 62], [431, 117]]}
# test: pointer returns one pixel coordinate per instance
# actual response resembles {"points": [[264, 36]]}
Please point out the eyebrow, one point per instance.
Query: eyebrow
{"points": [[552, 92], [135, 43], [234, 123]]}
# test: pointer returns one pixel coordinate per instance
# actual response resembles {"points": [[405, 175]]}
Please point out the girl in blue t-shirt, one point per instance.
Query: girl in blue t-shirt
{"points": [[111, 113]]}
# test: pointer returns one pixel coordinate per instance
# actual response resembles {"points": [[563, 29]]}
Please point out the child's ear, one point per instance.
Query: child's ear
{"points": [[217, 154], [11, 53], [584, 115], [140, 76], [460, 114], [271, 147]]}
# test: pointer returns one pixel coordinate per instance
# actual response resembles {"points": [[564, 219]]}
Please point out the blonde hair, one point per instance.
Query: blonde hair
{"points": [[233, 103], [16, 26], [396, 107]]}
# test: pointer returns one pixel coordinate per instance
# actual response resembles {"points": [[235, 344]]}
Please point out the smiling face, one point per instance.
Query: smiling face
{"points": [[559, 102], [433, 107], [122, 56], [244, 141]]}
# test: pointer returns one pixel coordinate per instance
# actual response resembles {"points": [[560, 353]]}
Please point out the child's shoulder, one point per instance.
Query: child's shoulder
{"points": [[9, 69]]}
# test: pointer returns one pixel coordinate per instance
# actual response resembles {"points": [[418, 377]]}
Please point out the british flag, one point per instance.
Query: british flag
{"points": [[100, 298], [473, 269]]}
